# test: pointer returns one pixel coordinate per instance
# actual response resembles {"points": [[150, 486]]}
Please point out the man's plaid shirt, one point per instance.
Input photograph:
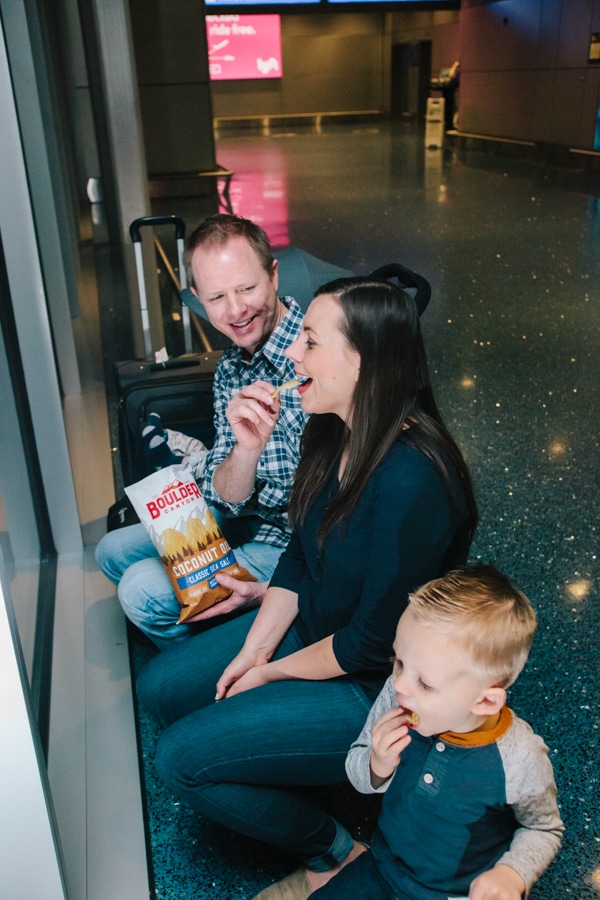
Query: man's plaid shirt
{"points": [[278, 461]]}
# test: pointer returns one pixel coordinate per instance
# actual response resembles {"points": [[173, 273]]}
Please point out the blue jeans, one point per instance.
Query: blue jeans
{"points": [[360, 878], [244, 761], [129, 559]]}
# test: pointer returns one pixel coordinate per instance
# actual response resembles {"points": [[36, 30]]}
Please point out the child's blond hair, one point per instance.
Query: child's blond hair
{"points": [[488, 617]]}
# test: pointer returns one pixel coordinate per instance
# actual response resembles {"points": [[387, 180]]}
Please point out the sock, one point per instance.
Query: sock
{"points": [[156, 445]]}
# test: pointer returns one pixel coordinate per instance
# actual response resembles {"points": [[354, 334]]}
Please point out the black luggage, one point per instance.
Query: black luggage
{"points": [[180, 391]]}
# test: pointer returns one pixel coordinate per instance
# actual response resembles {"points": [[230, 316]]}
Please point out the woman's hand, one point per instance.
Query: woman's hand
{"points": [[249, 669], [253, 678], [252, 414], [389, 738], [316, 662], [277, 612], [244, 595], [245, 662]]}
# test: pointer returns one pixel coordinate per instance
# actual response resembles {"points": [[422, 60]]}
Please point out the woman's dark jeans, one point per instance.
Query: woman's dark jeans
{"points": [[244, 761]]}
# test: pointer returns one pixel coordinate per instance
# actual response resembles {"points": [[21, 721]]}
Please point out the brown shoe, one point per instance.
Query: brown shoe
{"points": [[294, 887]]}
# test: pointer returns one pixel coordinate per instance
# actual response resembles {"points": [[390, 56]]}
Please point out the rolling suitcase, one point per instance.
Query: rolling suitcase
{"points": [[179, 390]]}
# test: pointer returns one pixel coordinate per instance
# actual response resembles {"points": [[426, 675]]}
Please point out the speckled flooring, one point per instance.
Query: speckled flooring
{"points": [[511, 249]]}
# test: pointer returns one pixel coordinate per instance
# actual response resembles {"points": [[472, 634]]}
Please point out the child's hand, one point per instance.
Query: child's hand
{"points": [[389, 738], [499, 883]]}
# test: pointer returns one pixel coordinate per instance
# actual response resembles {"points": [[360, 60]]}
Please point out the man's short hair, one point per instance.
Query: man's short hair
{"points": [[216, 231], [485, 615]]}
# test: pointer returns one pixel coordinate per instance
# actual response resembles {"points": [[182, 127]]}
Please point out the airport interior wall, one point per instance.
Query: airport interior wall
{"points": [[525, 73]]}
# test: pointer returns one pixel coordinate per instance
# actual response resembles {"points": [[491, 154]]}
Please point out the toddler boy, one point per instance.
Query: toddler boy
{"points": [[470, 799]]}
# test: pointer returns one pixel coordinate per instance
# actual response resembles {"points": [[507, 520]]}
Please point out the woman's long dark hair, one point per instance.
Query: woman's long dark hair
{"points": [[393, 397]]}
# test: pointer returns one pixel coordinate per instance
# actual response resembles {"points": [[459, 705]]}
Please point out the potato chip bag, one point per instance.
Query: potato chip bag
{"points": [[188, 540]]}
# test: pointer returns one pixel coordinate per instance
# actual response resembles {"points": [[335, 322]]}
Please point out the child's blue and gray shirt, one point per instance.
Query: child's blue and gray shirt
{"points": [[458, 804]]}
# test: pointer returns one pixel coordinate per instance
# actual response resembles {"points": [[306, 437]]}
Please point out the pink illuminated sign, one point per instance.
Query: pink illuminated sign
{"points": [[243, 47]]}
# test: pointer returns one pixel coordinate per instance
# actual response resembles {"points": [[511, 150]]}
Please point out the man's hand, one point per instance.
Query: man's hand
{"points": [[389, 738], [245, 595], [500, 883], [252, 414]]}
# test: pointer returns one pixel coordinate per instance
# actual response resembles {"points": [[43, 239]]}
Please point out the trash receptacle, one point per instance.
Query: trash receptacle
{"points": [[434, 123]]}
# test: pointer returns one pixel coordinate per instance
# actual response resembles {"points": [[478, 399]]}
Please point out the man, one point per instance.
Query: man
{"points": [[249, 471]]}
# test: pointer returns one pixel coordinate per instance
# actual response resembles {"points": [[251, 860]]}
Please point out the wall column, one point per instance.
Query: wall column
{"points": [[113, 84]]}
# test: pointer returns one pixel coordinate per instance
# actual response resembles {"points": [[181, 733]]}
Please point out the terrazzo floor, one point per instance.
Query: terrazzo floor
{"points": [[511, 249]]}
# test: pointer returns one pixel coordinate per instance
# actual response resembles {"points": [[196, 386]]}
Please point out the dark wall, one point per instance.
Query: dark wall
{"points": [[335, 62], [171, 55], [525, 72]]}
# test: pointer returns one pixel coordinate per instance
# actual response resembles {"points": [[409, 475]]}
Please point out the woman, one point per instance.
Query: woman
{"points": [[382, 502]]}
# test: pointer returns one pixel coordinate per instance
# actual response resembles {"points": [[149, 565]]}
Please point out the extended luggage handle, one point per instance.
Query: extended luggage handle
{"points": [[406, 278], [136, 237], [138, 224]]}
